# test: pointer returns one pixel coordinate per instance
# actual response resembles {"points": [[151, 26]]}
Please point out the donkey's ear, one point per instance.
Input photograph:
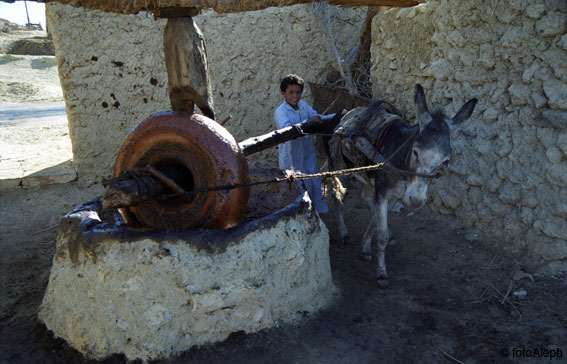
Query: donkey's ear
{"points": [[421, 111], [465, 112]]}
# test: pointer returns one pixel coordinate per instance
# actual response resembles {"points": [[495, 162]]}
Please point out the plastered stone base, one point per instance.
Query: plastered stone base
{"points": [[151, 295]]}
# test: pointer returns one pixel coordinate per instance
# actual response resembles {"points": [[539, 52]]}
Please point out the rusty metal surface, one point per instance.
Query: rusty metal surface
{"points": [[197, 153]]}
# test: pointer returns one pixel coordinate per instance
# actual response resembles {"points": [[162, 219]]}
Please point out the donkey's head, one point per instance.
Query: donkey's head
{"points": [[432, 147]]}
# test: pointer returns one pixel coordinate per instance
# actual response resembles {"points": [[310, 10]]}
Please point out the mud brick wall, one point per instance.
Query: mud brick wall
{"points": [[113, 74], [508, 175]]}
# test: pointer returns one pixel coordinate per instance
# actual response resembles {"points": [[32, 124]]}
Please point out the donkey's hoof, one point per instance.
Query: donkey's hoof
{"points": [[367, 256], [392, 240], [383, 282]]}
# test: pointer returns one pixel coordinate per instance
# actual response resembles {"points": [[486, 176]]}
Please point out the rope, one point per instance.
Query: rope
{"points": [[294, 176], [137, 174]]}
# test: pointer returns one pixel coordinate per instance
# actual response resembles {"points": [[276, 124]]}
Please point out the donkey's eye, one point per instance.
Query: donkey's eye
{"points": [[446, 163]]}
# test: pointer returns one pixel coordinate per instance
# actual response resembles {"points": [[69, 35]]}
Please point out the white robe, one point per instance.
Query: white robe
{"points": [[299, 154]]}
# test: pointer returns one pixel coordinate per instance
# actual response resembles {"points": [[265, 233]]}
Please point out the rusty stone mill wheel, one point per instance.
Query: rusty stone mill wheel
{"points": [[196, 153]]}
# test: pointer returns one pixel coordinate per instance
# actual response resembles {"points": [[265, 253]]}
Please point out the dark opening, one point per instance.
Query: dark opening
{"points": [[181, 175]]}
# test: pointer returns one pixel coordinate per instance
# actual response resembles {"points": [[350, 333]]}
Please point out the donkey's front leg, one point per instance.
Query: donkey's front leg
{"points": [[382, 237], [343, 232]]}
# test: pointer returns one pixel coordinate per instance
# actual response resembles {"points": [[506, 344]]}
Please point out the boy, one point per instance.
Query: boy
{"points": [[299, 154]]}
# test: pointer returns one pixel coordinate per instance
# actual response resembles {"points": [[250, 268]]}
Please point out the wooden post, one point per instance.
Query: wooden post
{"points": [[187, 69]]}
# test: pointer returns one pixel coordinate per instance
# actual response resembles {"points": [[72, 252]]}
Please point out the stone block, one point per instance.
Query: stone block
{"points": [[449, 200], [535, 11], [528, 74], [551, 25], [557, 174], [556, 93], [554, 154], [555, 118], [527, 216], [486, 57], [563, 42], [555, 58], [439, 69], [8, 183], [474, 180], [561, 211], [512, 37], [562, 142], [60, 173], [555, 227], [539, 100], [493, 183], [546, 136], [510, 194], [10, 173], [519, 94], [491, 114]]}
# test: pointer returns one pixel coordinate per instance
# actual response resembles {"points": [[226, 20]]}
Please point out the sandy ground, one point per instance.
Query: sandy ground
{"points": [[39, 83], [35, 148], [454, 297]]}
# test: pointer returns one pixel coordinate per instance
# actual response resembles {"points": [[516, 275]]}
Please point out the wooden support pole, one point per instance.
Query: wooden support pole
{"points": [[187, 69]]}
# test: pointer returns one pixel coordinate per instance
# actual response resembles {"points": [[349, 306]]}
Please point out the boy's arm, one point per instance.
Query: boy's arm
{"points": [[311, 112], [281, 119]]}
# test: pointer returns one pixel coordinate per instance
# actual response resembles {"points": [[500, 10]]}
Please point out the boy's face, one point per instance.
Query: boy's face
{"points": [[292, 94]]}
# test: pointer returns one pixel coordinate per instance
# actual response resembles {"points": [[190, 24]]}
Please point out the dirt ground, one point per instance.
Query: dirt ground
{"points": [[445, 302], [455, 295]]}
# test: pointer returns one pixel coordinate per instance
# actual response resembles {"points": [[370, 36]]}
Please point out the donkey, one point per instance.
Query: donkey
{"points": [[416, 153]]}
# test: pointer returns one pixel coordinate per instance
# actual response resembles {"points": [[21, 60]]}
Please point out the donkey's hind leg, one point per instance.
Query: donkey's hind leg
{"points": [[382, 237], [367, 239]]}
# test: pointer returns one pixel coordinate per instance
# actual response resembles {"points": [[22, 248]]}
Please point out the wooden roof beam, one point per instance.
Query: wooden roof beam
{"points": [[176, 8]]}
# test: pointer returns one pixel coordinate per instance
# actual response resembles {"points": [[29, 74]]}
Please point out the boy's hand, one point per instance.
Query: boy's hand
{"points": [[315, 118]]}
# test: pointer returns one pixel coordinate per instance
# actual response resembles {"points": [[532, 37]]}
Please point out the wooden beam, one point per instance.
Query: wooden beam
{"points": [[175, 8], [271, 139], [187, 69]]}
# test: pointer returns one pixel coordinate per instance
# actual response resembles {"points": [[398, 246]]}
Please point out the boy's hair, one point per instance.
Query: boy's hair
{"points": [[291, 79]]}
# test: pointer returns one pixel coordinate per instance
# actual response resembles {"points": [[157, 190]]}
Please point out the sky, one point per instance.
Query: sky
{"points": [[16, 12]]}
